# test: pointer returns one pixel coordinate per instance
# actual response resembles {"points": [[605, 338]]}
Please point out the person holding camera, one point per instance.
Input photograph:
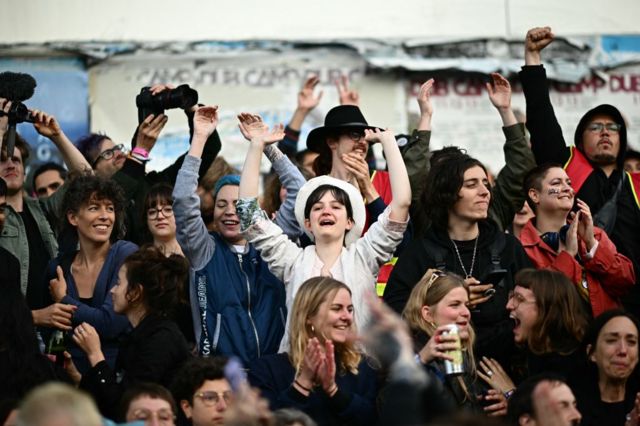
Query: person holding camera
{"points": [[129, 170], [27, 234], [563, 238]]}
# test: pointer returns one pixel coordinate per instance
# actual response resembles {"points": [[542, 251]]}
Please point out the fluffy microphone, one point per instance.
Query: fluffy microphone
{"points": [[16, 86]]}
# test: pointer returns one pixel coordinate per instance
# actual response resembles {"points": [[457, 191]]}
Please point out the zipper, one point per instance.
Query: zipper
{"points": [[253, 325]]}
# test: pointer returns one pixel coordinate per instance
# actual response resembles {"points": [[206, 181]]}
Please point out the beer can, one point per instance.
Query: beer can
{"points": [[455, 367]]}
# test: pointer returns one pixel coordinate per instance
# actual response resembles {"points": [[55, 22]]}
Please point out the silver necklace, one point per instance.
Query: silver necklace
{"points": [[473, 258]]}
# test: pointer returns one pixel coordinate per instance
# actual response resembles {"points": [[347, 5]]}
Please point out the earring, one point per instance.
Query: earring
{"points": [[313, 329], [432, 324]]}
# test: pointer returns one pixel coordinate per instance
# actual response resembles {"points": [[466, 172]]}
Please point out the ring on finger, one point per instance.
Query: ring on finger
{"points": [[489, 373]]}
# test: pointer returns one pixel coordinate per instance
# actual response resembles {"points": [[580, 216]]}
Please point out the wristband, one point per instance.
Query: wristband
{"points": [[301, 387], [141, 152]]}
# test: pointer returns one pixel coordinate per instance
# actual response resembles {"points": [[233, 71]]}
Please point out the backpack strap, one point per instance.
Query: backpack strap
{"points": [[438, 253]]}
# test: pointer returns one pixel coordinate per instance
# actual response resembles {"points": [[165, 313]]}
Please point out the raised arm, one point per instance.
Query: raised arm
{"points": [[547, 141], [416, 153], [192, 233], [346, 95], [400, 187], [307, 101], [507, 194], [500, 96], [258, 134], [47, 125]]}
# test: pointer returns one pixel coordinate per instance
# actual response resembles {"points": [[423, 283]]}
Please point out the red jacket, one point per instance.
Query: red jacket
{"points": [[609, 274]]}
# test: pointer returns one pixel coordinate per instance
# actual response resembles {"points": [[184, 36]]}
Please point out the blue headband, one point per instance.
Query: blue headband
{"points": [[225, 180]]}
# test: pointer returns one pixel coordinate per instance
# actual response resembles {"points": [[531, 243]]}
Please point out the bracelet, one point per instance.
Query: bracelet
{"points": [[302, 387], [333, 390], [139, 158], [141, 152], [508, 393]]}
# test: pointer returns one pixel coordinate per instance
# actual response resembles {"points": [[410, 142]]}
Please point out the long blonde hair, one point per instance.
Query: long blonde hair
{"points": [[311, 294], [430, 290]]}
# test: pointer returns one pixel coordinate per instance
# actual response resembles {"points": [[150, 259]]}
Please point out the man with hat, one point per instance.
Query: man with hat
{"points": [[595, 163]]}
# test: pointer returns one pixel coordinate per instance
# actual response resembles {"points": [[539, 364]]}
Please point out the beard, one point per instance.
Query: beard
{"points": [[604, 159]]}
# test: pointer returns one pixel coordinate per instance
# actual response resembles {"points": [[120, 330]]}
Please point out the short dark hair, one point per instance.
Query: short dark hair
{"points": [[89, 146], [443, 183], [521, 402], [598, 323], [338, 193], [162, 278], [631, 154], [533, 179], [194, 373], [138, 390], [21, 144], [45, 168], [81, 189]]}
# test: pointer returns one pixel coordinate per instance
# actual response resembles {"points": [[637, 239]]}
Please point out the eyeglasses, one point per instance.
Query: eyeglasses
{"points": [[167, 211], [211, 398], [517, 299], [354, 135], [164, 416], [108, 154], [597, 127]]}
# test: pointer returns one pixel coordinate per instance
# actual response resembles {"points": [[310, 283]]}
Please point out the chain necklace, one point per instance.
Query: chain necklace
{"points": [[473, 258]]}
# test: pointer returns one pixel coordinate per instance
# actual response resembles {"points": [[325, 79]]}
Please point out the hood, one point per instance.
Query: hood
{"points": [[611, 111]]}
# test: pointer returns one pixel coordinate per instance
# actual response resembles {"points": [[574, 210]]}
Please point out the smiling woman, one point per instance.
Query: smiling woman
{"points": [[322, 373], [81, 278]]}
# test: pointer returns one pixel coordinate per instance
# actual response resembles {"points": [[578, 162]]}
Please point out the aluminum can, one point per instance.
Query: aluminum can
{"points": [[455, 367]]}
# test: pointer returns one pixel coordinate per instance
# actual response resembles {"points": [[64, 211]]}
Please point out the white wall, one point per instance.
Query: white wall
{"points": [[37, 21]]}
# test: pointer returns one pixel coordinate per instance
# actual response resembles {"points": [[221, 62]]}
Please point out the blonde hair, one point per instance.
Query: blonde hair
{"points": [[430, 290], [312, 293], [61, 402]]}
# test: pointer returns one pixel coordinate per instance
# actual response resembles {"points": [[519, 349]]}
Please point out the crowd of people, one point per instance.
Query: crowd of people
{"points": [[425, 293]]}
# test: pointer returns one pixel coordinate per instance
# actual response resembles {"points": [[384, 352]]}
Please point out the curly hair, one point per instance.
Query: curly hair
{"points": [[443, 184], [562, 320], [83, 189], [312, 293], [161, 278]]}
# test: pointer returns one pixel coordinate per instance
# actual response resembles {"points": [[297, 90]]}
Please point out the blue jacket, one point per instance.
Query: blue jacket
{"points": [[239, 306], [245, 304]]}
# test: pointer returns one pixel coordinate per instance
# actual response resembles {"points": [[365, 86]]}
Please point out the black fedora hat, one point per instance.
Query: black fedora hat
{"points": [[340, 117]]}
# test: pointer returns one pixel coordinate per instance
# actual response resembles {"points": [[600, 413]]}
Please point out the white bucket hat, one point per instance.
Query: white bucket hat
{"points": [[357, 204]]}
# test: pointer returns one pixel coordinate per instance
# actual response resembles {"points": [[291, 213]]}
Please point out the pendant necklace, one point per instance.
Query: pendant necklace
{"points": [[473, 258]]}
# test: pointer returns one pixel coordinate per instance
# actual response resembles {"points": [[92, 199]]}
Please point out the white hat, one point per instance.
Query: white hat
{"points": [[357, 204]]}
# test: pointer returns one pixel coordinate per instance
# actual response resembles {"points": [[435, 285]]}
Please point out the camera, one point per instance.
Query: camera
{"points": [[18, 113], [182, 96]]}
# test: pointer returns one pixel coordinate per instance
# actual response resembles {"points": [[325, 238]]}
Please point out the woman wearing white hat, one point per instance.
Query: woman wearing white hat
{"points": [[331, 212]]}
